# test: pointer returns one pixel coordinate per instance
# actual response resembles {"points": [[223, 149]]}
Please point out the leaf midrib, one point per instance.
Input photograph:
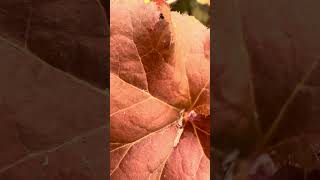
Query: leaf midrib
{"points": [[74, 79], [71, 141], [284, 108], [164, 127], [38, 59]]}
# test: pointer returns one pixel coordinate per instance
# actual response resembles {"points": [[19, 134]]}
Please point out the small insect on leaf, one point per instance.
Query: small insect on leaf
{"points": [[165, 11], [161, 16], [160, 51]]}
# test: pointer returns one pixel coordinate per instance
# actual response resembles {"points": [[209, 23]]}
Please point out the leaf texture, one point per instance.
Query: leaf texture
{"points": [[78, 30], [52, 97], [157, 69]]}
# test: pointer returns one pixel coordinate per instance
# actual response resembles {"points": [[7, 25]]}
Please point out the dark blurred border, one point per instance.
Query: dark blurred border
{"points": [[212, 58], [106, 4]]}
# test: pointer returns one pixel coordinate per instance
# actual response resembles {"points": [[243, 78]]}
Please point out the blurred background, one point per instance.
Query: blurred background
{"points": [[200, 9]]}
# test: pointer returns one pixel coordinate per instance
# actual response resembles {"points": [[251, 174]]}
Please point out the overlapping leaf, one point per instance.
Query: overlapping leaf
{"points": [[157, 69]]}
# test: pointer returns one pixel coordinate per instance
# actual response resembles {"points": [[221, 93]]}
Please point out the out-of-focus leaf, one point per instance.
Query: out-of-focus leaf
{"points": [[52, 96], [280, 69], [199, 10], [204, 2]]}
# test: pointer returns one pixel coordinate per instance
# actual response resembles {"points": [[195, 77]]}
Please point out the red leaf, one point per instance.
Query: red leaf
{"points": [[267, 83], [52, 95], [65, 34], [158, 69]]}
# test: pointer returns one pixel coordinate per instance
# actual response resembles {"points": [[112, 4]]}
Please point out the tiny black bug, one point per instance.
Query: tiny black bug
{"points": [[161, 16]]}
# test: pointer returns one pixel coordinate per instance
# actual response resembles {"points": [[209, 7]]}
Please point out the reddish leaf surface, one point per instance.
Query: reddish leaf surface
{"points": [[157, 69], [285, 68], [68, 35], [52, 98], [272, 96], [234, 125]]}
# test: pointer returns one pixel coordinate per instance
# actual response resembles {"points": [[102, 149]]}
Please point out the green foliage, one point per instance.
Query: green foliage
{"points": [[192, 7]]}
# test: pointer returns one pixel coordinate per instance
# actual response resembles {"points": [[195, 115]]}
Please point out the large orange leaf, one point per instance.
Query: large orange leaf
{"points": [[159, 66]]}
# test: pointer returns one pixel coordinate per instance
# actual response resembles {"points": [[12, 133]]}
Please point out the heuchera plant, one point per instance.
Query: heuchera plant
{"points": [[53, 90], [266, 91], [159, 93]]}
